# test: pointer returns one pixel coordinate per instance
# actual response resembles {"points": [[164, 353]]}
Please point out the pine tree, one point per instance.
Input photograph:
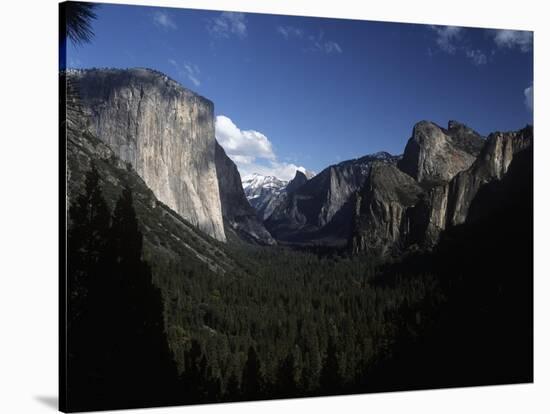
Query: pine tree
{"points": [[142, 357], [232, 390], [252, 382], [118, 352], [89, 220], [330, 380], [286, 377]]}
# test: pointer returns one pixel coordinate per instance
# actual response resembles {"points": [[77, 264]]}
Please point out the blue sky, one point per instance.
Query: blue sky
{"points": [[306, 92]]}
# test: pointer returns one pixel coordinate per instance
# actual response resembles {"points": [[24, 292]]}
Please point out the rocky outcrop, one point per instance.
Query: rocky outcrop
{"points": [[383, 209], [394, 213], [320, 210], [492, 164], [299, 180], [164, 131], [434, 155], [237, 213]]}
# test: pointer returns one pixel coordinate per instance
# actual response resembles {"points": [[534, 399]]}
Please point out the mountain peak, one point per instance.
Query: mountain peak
{"points": [[299, 179]]}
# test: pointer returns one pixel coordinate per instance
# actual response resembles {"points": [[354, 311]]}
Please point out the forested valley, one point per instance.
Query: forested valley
{"points": [[288, 323]]}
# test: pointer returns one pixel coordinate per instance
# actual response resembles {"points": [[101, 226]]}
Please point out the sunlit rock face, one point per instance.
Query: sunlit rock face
{"points": [[166, 132], [435, 155]]}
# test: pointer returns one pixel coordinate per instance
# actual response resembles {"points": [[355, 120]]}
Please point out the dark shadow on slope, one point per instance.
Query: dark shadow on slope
{"points": [[483, 333]]}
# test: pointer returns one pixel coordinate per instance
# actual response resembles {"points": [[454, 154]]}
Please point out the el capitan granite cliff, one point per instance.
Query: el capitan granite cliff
{"points": [[166, 132]]}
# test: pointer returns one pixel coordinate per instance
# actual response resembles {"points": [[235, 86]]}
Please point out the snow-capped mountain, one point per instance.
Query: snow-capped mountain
{"points": [[261, 190]]}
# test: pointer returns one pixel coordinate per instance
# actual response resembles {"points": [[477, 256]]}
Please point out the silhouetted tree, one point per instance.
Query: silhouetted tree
{"points": [[89, 220], [286, 377], [75, 24], [330, 380], [252, 382], [123, 359], [192, 377], [142, 353], [232, 390], [79, 17]]}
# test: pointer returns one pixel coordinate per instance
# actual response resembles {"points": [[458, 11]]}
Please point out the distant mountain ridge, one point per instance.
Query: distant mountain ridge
{"points": [[384, 204], [319, 211]]}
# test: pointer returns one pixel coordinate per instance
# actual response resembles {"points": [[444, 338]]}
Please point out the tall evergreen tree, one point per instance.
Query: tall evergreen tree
{"points": [[143, 358], [330, 380], [89, 220], [286, 377], [252, 382], [123, 359]]}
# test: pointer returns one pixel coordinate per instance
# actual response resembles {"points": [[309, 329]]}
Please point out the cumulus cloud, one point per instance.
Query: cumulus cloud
{"points": [[227, 24], [512, 39], [245, 146], [187, 71], [163, 19], [252, 151], [447, 37], [528, 94], [476, 56], [315, 43]]}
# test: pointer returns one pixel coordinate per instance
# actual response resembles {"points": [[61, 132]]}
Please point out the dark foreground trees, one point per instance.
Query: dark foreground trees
{"points": [[118, 355]]}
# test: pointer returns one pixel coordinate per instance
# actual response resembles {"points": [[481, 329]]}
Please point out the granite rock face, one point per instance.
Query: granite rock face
{"points": [[383, 209], [434, 155], [164, 131], [492, 164], [299, 180], [237, 213], [398, 210], [320, 210]]}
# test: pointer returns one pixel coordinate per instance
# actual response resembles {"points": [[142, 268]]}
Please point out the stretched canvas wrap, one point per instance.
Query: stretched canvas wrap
{"points": [[268, 206]]}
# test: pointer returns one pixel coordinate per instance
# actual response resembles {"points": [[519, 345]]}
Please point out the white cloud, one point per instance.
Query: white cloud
{"points": [[332, 47], [528, 94], [314, 43], [238, 143], [512, 39], [188, 71], [252, 151], [227, 24], [476, 56], [319, 44], [447, 37], [163, 19], [289, 31]]}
